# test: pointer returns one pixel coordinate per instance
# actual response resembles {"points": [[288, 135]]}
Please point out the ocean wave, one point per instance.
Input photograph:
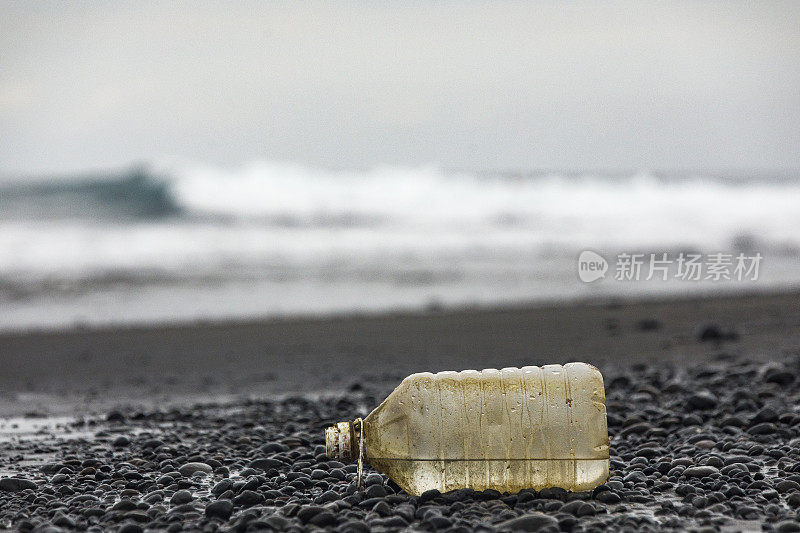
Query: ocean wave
{"points": [[135, 193], [292, 195], [276, 221]]}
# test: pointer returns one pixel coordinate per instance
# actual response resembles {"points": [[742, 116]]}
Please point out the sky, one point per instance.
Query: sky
{"points": [[469, 85]]}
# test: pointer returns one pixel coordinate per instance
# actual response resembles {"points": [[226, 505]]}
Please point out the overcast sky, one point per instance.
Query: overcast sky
{"points": [[548, 85]]}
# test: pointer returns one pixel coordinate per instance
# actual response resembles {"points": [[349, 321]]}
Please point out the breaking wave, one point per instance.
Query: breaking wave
{"points": [[277, 223]]}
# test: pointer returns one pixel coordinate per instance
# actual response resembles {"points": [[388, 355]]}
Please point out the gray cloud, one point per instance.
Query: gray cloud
{"points": [[552, 85]]}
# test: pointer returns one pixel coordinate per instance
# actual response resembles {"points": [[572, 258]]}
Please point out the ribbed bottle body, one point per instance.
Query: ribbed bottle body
{"points": [[509, 429]]}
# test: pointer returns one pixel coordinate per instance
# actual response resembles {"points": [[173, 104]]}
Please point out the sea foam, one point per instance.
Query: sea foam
{"points": [[452, 236]]}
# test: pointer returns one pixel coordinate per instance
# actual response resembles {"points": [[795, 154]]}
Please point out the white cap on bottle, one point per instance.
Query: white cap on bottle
{"points": [[339, 441]]}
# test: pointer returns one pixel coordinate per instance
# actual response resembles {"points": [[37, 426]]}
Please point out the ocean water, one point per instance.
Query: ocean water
{"points": [[193, 242]]}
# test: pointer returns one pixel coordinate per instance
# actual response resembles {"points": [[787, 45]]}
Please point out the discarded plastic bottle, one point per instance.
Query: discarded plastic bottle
{"points": [[506, 430]]}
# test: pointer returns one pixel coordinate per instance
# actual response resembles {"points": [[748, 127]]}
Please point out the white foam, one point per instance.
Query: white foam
{"points": [[638, 209], [270, 222]]}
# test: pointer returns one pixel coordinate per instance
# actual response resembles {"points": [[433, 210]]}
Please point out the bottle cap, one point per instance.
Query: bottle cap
{"points": [[339, 441]]}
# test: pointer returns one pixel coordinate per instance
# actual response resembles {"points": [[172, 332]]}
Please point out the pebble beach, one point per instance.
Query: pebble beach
{"points": [[703, 438]]}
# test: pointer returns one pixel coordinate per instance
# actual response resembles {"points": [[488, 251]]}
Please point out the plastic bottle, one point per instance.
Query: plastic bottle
{"points": [[506, 429]]}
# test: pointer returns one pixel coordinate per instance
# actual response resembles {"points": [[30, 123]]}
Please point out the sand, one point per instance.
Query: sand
{"points": [[59, 372]]}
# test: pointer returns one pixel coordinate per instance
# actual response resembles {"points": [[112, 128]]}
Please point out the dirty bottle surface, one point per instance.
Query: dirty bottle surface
{"points": [[510, 429]]}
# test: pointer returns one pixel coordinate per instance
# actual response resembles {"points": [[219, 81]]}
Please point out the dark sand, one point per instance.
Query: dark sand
{"points": [[704, 420], [51, 373]]}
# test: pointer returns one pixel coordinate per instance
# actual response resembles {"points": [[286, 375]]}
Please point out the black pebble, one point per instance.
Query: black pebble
{"points": [[219, 509]]}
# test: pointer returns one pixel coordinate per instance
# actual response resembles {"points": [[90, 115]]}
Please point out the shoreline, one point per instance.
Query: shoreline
{"points": [[434, 307], [53, 372]]}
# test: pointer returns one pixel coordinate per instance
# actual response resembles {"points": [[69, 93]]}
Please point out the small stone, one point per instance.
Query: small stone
{"points": [[248, 498], [793, 499], [221, 487], [323, 519], [124, 505], [394, 523], [375, 491], [429, 495], [181, 497], [354, 526], [710, 333], [636, 429], [767, 414], [554, 493], [137, 516], [373, 479], [219, 509], [764, 428], [51, 468], [115, 416], [578, 508], [700, 471], [382, 508], [265, 464], [14, 484], [775, 373], [732, 420], [190, 468], [787, 526], [130, 528], [308, 512], [648, 324], [277, 522], [63, 520], [274, 447], [702, 400], [529, 522], [121, 441], [439, 522], [637, 476], [327, 497], [608, 496], [787, 486]]}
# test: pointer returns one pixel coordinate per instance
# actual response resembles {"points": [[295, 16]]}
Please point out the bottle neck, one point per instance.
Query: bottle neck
{"points": [[343, 440]]}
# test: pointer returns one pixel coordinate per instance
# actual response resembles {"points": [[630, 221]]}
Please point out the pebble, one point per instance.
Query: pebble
{"points": [[130, 528], [763, 429], [373, 479], [700, 471], [248, 498], [608, 497], [121, 441], [375, 491], [219, 509], [190, 468], [709, 332], [221, 487], [702, 400], [787, 486], [529, 522], [788, 526], [181, 497], [124, 505], [323, 519], [265, 463], [14, 484]]}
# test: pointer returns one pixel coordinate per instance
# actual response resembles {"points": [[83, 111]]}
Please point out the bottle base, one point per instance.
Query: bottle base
{"points": [[504, 475]]}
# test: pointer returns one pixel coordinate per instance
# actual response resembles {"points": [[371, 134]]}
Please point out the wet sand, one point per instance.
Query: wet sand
{"points": [[86, 370]]}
